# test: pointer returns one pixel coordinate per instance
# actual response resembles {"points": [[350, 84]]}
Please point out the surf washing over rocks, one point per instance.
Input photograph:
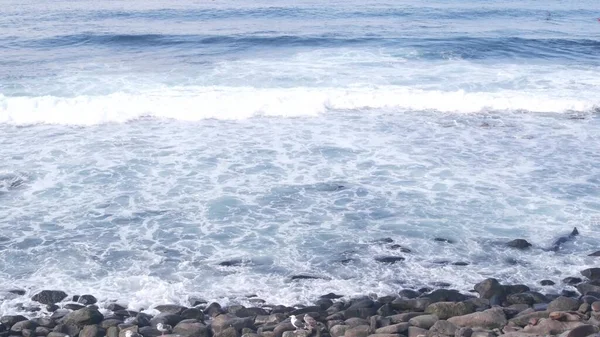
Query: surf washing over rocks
{"points": [[153, 152]]}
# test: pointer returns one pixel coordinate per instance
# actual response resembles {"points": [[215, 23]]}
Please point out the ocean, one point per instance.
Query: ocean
{"points": [[145, 143]]}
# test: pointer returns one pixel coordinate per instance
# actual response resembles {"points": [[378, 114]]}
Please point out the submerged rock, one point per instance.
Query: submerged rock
{"points": [[389, 259], [519, 244]]}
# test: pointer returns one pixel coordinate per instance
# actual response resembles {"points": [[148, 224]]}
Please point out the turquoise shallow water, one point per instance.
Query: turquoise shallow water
{"points": [[144, 143]]}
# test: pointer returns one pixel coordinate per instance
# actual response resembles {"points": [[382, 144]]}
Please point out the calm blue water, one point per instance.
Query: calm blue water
{"points": [[145, 142]]}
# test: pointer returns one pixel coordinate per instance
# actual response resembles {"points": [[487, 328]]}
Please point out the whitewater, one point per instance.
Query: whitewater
{"points": [[143, 144]]}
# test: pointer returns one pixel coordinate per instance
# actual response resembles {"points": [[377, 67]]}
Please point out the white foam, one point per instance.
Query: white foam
{"points": [[197, 103]]}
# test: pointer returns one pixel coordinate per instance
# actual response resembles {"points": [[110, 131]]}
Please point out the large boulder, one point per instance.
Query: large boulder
{"points": [[10, 320], [225, 321], [445, 295], [563, 303], [586, 288], [493, 318], [523, 320], [591, 273], [547, 326], [170, 308], [583, 331], [92, 331], [338, 330], [415, 304], [166, 318], [84, 316], [358, 331], [399, 328], [443, 327], [191, 328], [49, 296], [489, 288], [87, 299], [424, 321], [445, 310], [23, 325]]}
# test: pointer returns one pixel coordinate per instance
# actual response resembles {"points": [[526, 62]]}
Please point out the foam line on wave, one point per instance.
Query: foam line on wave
{"points": [[197, 103]]}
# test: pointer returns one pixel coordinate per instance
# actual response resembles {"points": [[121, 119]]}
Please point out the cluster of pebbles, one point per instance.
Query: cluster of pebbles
{"points": [[498, 310]]}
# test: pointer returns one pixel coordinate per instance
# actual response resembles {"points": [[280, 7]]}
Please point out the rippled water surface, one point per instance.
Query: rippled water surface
{"points": [[143, 143]]}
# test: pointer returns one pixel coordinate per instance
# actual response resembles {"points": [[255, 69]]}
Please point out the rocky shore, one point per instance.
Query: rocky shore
{"points": [[491, 310]]}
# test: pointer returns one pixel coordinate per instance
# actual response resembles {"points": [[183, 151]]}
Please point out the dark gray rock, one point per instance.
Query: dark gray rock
{"points": [[522, 298], [10, 320], [324, 303], [214, 309], [73, 306], [444, 240], [225, 321], [445, 310], [359, 312], [331, 296], [445, 295], [572, 280], [69, 329], [170, 309], [42, 331], [415, 304], [283, 327], [538, 297], [563, 304], [515, 289], [386, 310], [191, 328], [547, 283], [52, 307], [126, 313], [583, 331], [57, 334], [195, 301], [44, 322], [112, 331], [305, 310], [22, 325], [398, 328], [408, 293], [92, 331], [87, 299], [115, 307], [400, 248], [489, 287], [149, 331], [251, 312], [519, 244], [444, 328], [305, 277], [49, 296], [389, 259], [595, 253], [21, 292], [591, 273], [358, 331], [166, 318], [423, 321], [142, 319], [84, 316], [587, 288], [193, 313], [107, 323]]}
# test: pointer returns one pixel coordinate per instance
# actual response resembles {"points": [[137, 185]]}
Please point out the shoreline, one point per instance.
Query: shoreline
{"points": [[491, 309]]}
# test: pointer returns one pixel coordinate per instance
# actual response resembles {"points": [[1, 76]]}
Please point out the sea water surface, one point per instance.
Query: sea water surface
{"points": [[143, 143]]}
